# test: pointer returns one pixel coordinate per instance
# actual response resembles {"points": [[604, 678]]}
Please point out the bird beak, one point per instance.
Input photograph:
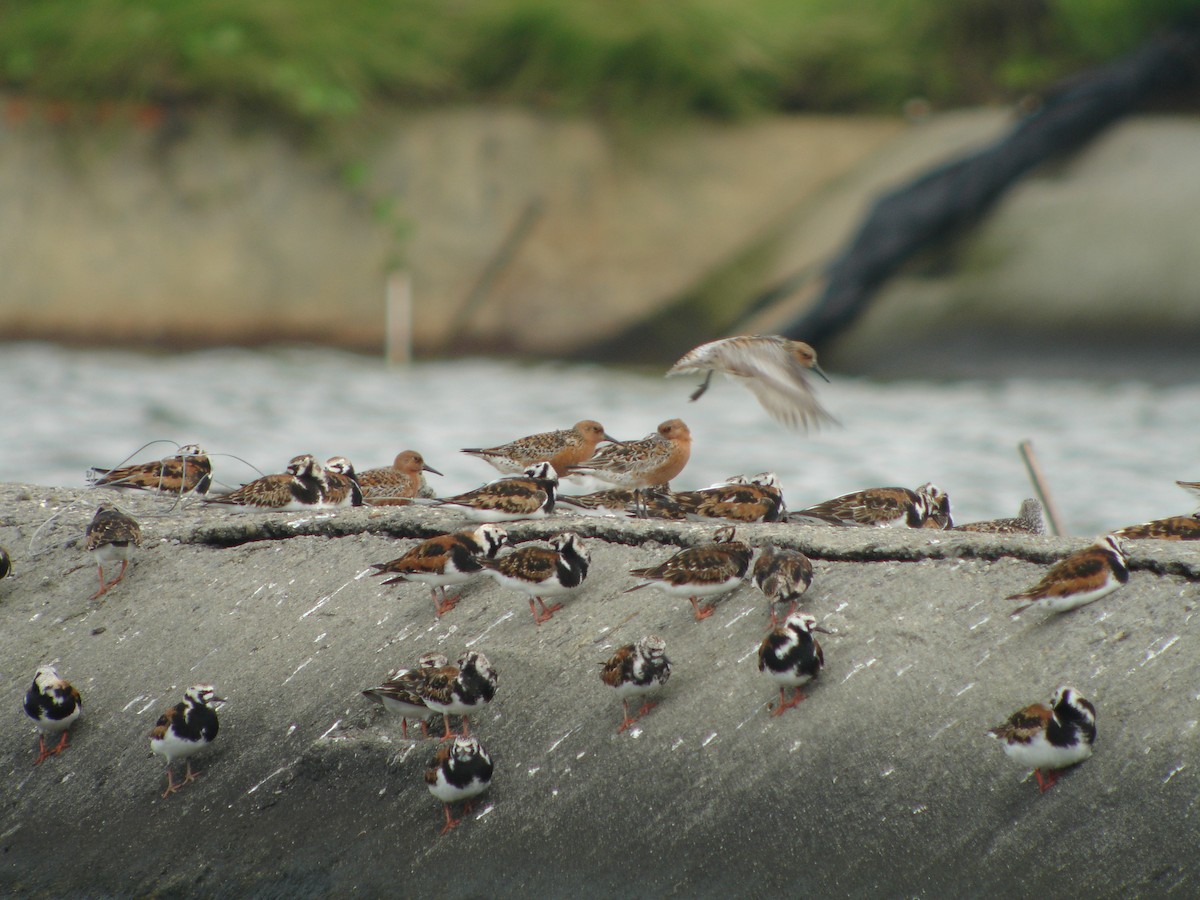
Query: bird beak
{"points": [[820, 371], [823, 629], [612, 440], [217, 700], [430, 469]]}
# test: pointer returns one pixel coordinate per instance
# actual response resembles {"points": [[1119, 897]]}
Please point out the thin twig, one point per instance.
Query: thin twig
{"points": [[1039, 485]]}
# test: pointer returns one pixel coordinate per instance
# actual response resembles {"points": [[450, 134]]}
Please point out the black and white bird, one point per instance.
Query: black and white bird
{"points": [[525, 496], [1049, 738], [459, 690], [461, 770], [53, 704], [185, 729], [111, 537], [542, 572], [708, 570], [444, 560], [926, 507], [635, 670], [341, 487], [791, 657]]}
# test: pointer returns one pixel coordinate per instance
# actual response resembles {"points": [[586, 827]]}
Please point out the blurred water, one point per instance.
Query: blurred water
{"points": [[1110, 451]]}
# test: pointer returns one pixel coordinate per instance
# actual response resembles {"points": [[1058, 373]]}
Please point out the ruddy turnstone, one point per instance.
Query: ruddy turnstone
{"points": [[341, 486], [459, 690], [562, 449], [188, 472], [1028, 521], [543, 571], [445, 560], [111, 537], [1081, 578], [1050, 737], [400, 693], [526, 496], [461, 770], [398, 483], [792, 657], [757, 499], [613, 501], [185, 729], [709, 570], [54, 705], [774, 368], [635, 670], [782, 575], [300, 487], [1176, 528], [883, 506], [655, 459]]}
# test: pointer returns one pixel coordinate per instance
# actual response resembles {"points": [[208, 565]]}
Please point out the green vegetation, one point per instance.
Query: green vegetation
{"points": [[314, 61]]}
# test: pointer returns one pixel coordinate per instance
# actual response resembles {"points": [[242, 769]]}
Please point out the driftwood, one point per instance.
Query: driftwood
{"points": [[956, 194]]}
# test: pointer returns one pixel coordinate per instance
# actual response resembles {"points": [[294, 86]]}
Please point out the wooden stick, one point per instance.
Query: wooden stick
{"points": [[1039, 485]]}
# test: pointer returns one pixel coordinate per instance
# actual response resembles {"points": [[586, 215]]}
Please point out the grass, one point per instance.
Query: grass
{"points": [[314, 62]]}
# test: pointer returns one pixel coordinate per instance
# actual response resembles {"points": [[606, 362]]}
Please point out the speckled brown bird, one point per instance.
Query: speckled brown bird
{"points": [[445, 559], [774, 368], [188, 472], [111, 537], [756, 499], [1176, 528], [613, 501], [1083, 577], [459, 690], [708, 570], [635, 670], [655, 459], [883, 507], [400, 692], [341, 486], [542, 572], [397, 484], [300, 487], [783, 575], [562, 449], [526, 496], [1028, 521]]}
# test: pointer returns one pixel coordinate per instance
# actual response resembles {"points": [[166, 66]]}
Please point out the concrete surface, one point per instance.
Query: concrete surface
{"points": [[883, 783]]}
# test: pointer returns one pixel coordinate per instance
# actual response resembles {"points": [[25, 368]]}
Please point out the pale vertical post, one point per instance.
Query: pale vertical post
{"points": [[398, 318]]}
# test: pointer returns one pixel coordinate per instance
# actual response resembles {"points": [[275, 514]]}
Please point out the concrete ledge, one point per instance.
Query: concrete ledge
{"points": [[883, 783]]}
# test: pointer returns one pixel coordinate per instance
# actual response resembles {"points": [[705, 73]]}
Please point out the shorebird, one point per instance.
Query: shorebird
{"points": [[1028, 521], [341, 486], [635, 670], [708, 570], [188, 472], [111, 537], [400, 693], [444, 560], [562, 449], [782, 575], [1081, 578], [542, 572], [1050, 737], [1176, 528], [185, 729], [461, 770], [791, 656], [300, 487], [774, 368], [883, 506], [654, 460], [756, 499], [459, 690], [525, 496], [398, 483], [54, 705]]}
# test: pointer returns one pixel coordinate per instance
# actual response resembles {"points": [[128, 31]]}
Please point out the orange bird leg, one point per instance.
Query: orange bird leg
{"points": [[104, 586], [447, 602], [451, 823], [404, 727], [785, 704], [547, 611], [448, 733], [189, 775], [702, 612], [172, 787], [1047, 781], [466, 727]]}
